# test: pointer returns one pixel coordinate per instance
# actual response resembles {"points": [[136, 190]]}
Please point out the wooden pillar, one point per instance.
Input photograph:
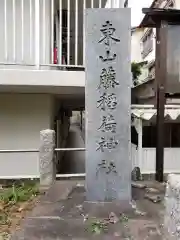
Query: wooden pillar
{"points": [[161, 73]]}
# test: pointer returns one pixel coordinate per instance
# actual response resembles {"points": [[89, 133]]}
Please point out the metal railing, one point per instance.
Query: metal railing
{"points": [[69, 149], [45, 33], [37, 151], [19, 150]]}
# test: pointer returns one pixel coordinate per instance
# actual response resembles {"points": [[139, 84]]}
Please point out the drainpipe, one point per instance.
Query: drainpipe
{"points": [[37, 34]]}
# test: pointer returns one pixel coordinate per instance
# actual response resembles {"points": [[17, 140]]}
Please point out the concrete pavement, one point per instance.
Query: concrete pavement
{"points": [[74, 162], [63, 213]]}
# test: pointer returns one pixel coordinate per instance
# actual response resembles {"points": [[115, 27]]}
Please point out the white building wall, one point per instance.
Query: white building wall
{"points": [[22, 117], [136, 46], [136, 55], [171, 160], [148, 161], [177, 4], [151, 55]]}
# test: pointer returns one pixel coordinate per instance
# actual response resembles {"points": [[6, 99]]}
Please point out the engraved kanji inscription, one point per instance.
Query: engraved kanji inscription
{"points": [[108, 124], [109, 144], [107, 166], [108, 34], [108, 78], [107, 101], [108, 56]]}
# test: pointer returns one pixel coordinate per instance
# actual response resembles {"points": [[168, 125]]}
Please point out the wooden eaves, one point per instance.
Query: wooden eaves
{"points": [[154, 16]]}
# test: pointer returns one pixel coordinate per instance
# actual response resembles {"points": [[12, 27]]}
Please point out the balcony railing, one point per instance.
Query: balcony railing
{"points": [[44, 33]]}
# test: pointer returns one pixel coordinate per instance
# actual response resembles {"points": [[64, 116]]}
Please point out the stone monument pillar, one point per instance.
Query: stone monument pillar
{"points": [[108, 101], [47, 165]]}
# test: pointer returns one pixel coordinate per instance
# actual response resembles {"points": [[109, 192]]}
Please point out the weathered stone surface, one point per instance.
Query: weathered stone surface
{"points": [[152, 190], [153, 197], [138, 185], [108, 81], [172, 204], [46, 158]]}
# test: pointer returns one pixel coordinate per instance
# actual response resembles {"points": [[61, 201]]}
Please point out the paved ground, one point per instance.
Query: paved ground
{"points": [[63, 213], [74, 162]]}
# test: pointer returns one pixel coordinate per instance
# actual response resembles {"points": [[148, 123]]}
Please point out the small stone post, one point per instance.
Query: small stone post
{"points": [[172, 207], [47, 166]]}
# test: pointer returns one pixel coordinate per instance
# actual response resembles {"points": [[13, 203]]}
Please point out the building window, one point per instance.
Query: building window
{"points": [[147, 43]]}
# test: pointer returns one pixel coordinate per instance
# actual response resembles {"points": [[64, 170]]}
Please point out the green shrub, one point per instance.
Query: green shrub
{"points": [[19, 193]]}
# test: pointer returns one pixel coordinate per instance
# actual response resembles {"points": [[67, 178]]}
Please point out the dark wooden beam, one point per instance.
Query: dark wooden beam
{"points": [[160, 19], [154, 16], [161, 73]]}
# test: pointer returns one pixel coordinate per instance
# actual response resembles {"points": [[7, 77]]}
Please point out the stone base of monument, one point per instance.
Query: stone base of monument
{"points": [[103, 209]]}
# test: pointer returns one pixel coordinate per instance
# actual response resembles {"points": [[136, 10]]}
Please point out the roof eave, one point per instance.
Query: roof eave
{"points": [[154, 16]]}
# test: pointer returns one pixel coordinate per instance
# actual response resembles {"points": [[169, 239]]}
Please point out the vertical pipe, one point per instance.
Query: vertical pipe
{"points": [[37, 34], [22, 29], [44, 30], [30, 28], [14, 31], [60, 32], [76, 32], [92, 3], [100, 3], [52, 31], [68, 33], [56, 36], [84, 24], [161, 74], [5, 29]]}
